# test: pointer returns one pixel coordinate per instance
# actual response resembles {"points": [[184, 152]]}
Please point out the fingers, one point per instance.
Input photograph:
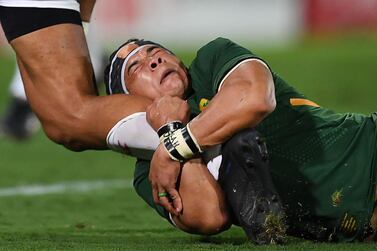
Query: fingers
{"points": [[176, 200], [172, 201], [167, 109], [155, 194], [165, 200], [163, 176], [162, 200]]}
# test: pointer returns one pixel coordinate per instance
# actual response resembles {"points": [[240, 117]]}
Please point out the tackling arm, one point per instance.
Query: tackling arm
{"points": [[58, 79]]}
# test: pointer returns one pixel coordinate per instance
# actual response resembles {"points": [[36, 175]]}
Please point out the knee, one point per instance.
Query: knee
{"points": [[213, 224], [247, 137], [248, 143], [205, 222]]}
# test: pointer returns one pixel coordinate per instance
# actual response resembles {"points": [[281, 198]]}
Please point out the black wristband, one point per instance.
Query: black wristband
{"points": [[169, 127]]}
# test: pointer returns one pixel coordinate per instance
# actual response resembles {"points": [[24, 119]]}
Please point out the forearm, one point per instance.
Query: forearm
{"points": [[223, 118], [86, 123], [97, 117], [77, 118], [241, 103]]}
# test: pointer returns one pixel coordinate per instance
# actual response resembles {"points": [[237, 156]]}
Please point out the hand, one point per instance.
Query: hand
{"points": [[163, 176], [166, 109]]}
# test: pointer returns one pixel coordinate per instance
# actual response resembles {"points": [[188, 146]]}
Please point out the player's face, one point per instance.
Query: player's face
{"points": [[154, 72]]}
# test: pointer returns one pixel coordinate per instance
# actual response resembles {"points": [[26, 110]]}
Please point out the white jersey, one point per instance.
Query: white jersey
{"points": [[58, 4]]}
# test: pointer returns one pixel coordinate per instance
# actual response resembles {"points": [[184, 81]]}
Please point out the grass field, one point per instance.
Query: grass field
{"points": [[91, 204]]}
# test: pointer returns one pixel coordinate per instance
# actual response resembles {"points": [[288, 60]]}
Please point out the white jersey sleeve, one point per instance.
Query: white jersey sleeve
{"points": [[134, 136], [58, 4]]}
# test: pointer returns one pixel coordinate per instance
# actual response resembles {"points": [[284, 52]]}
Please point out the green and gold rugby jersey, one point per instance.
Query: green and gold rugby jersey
{"points": [[323, 162]]}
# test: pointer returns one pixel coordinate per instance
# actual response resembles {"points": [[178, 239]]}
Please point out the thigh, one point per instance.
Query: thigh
{"points": [[55, 56], [56, 71], [204, 206], [52, 54], [58, 78]]}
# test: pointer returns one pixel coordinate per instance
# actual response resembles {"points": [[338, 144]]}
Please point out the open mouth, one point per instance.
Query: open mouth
{"points": [[166, 74]]}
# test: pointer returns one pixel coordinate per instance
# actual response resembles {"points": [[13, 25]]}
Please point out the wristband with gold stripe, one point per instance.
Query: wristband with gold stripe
{"points": [[180, 144]]}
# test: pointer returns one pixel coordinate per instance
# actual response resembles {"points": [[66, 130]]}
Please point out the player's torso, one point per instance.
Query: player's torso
{"points": [[322, 162]]}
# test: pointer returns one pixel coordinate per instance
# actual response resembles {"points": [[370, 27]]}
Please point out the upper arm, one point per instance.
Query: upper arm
{"points": [[224, 63], [253, 77], [247, 89], [249, 70]]}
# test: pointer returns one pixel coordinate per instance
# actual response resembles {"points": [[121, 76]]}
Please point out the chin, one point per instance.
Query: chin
{"points": [[174, 94], [176, 91]]}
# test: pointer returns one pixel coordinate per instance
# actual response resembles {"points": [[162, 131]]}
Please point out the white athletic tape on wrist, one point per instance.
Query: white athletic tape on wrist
{"points": [[165, 130], [181, 145]]}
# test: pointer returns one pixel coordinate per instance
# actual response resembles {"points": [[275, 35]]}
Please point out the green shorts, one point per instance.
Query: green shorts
{"points": [[144, 189]]}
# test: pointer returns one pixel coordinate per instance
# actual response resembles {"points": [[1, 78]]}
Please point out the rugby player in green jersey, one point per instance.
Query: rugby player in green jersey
{"points": [[323, 162]]}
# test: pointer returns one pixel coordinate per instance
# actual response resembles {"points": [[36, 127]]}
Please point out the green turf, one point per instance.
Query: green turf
{"points": [[338, 73]]}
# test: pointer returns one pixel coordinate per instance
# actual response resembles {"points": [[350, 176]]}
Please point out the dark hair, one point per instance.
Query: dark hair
{"points": [[116, 85]]}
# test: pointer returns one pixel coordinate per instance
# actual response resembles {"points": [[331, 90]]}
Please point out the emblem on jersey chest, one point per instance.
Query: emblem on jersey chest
{"points": [[203, 104], [337, 197]]}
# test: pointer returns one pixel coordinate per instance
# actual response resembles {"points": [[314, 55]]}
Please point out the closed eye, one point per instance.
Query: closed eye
{"points": [[132, 66], [150, 49]]}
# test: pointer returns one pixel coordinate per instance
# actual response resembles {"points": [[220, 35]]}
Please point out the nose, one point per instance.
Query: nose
{"points": [[155, 62]]}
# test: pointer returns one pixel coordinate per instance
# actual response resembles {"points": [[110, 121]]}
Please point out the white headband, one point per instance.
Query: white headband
{"points": [[133, 52]]}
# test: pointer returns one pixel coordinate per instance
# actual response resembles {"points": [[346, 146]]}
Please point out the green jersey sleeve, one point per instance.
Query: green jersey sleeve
{"points": [[214, 61]]}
